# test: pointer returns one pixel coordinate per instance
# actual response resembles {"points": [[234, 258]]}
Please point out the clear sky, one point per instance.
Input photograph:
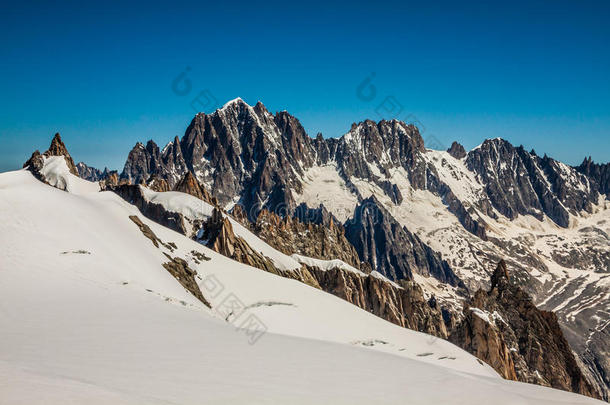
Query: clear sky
{"points": [[107, 75]]}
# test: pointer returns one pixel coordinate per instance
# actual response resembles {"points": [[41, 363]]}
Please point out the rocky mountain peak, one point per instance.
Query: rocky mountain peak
{"points": [[598, 175], [237, 102], [503, 327], [457, 150], [57, 148], [519, 183]]}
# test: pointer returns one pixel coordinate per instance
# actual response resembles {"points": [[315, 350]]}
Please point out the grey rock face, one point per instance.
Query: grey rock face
{"points": [[518, 182], [539, 352], [92, 174], [457, 150], [391, 249], [58, 148], [156, 212], [88, 172], [598, 174], [142, 162]]}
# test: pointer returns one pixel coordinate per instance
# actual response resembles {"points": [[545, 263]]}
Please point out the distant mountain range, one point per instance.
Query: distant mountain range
{"points": [[386, 206]]}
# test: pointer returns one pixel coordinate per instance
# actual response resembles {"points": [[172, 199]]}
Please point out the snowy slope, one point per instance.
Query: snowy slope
{"points": [[89, 314]]}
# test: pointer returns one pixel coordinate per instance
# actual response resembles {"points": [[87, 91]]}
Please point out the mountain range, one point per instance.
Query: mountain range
{"points": [[498, 250]]}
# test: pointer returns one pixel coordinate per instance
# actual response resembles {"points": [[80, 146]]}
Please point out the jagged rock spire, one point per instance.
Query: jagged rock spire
{"points": [[189, 184], [500, 277], [457, 150], [58, 148]]}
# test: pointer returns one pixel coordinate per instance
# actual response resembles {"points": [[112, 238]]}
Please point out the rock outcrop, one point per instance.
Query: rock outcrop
{"points": [[598, 174], [58, 148], [219, 236], [35, 163], [403, 305], [290, 235], [88, 173], [156, 212], [520, 183], [189, 185], [503, 327], [176, 266], [457, 150], [391, 249], [106, 178], [157, 183]]}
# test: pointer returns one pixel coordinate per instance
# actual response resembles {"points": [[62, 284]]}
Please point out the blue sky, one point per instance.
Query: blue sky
{"points": [[535, 73]]}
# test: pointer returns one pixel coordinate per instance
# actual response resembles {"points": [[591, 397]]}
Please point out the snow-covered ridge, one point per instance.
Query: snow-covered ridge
{"points": [[119, 335], [326, 264], [57, 174], [192, 208]]}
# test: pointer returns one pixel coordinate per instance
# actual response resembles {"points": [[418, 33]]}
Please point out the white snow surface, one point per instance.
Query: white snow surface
{"points": [[326, 264], [323, 185], [89, 315], [56, 172]]}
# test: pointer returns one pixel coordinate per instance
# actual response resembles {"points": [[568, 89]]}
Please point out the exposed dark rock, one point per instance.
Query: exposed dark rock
{"points": [[152, 211], [598, 174], [58, 148], [199, 256], [110, 181], [505, 317], [404, 306], [142, 162], [35, 162], [518, 182], [391, 249], [189, 185], [319, 241], [106, 178], [88, 172], [176, 266], [318, 216], [218, 235], [240, 215], [457, 150], [179, 268], [157, 184], [146, 231]]}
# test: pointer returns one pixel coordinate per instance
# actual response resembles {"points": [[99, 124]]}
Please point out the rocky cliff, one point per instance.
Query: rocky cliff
{"points": [[521, 183], [511, 202], [189, 185], [503, 327], [290, 235], [391, 249], [598, 174]]}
